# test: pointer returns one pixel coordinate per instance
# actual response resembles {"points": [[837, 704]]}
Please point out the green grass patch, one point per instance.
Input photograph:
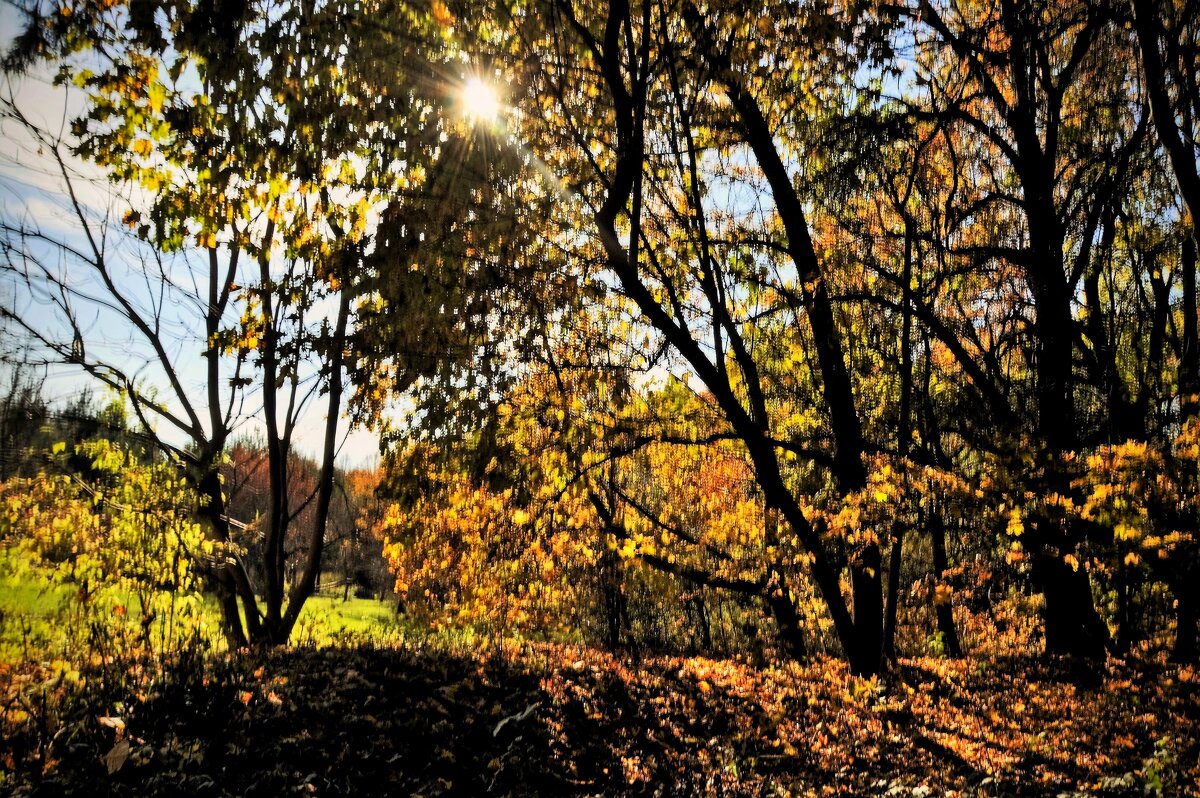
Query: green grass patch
{"points": [[31, 608], [328, 620], [41, 618], [44, 618]]}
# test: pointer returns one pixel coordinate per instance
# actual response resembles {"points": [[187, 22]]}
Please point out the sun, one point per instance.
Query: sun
{"points": [[480, 101]]}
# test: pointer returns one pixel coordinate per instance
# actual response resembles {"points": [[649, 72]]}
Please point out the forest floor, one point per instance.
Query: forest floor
{"points": [[556, 720]]}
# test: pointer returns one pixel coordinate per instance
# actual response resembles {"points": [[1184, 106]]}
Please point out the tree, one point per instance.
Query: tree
{"points": [[1020, 80], [266, 142], [656, 115], [742, 296], [1168, 42]]}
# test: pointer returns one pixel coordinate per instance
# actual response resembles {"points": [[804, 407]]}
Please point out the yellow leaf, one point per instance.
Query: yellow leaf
{"points": [[156, 93], [1015, 525]]}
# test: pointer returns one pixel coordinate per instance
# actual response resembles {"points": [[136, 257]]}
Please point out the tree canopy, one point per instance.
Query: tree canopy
{"points": [[785, 307]]}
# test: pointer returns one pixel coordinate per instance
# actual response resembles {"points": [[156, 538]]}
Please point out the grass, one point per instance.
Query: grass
{"points": [[30, 608], [329, 620], [39, 618]]}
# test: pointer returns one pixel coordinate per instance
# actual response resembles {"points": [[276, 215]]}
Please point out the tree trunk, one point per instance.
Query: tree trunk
{"points": [[702, 621], [278, 447], [1126, 617], [749, 420], [613, 597], [786, 619], [1072, 624], [944, 610], [1073, 627], [893, 592], [226, 579], [1189, 361], [1158, 80], [903, 442], [304, 586], [1187, 604], [866, 581], [1185, 648]]}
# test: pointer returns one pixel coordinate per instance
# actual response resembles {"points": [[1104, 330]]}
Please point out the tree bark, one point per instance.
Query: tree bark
{"points": [[1189, 360], [862, 635], [702, 622], [1158, 78], [893, 591], [944, 610], [903, 435], [1127, 630], [1072, 625], [1185, 649], [306, 583], [786, 618], [613, 598]]}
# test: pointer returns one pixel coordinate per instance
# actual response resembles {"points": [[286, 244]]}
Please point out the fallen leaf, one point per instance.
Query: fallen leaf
{"points": [[115, 759], [112, 723]]}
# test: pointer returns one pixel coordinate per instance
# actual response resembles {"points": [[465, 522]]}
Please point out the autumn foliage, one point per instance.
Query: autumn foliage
{"points": [[771, 396]]}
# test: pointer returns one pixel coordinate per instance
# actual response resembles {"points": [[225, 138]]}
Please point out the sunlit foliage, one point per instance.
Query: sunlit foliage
{"points": [[125, 541]]}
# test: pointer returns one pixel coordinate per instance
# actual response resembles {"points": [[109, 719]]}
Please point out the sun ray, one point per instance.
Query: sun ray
{"points": [[480, 101]]}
